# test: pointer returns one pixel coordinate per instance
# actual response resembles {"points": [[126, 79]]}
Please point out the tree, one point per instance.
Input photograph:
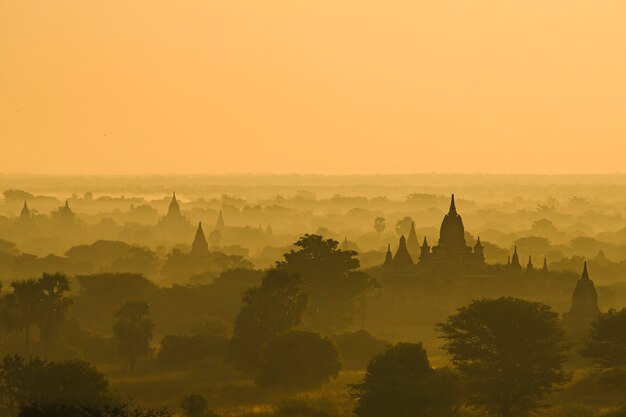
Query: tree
{"points": [[274, 307], [379, 224], [133, 330], [21, 308], [357, 348], [39, 302], [331, 279], [401, 383], [298, 359], [510, 351], [53, 308], [196, 405], [111, 408], [36, 381], [403, 226], [607, 342]]}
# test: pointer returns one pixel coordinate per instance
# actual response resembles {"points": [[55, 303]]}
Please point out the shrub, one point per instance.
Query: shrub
{"points": [[298, 360]]}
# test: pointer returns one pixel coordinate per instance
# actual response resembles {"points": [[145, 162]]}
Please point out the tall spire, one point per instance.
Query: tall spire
{"points": [[585, 275], [515, 259], [219, 224], [402, 258], [452, 206], [199, 245], [529, 266], [412, 243], [545, 266], [388, 256], [174, 208], [479, 250], [425, 251], [25, 214]]}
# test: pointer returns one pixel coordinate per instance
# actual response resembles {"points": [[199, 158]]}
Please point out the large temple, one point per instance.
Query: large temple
{"points": [[450, 255], [428, 283]]}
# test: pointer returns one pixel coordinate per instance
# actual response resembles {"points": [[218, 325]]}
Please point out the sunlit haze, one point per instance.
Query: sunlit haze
{"points": [[323, 86]]}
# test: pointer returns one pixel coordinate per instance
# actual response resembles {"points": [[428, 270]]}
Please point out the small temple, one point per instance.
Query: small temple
{"points": [[174, 218]]}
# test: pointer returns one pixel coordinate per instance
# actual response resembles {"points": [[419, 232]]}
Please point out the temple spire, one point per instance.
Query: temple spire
{"points": [[402, 257], [585, 275], [219, 224], [25, 214], [529, 266], [425, 250], [515, 259], [452, 206], [388, 256], [199, 245], [412, 244], [545, 266]]}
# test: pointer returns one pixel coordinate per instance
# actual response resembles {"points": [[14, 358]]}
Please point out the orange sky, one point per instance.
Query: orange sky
{"points": [[312, 86]]}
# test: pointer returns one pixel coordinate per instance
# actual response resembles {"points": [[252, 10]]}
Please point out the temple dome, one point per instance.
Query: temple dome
{"points": [[452, 232]]}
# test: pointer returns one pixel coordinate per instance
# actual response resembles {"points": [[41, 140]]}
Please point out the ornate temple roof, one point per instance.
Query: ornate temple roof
{"points": [[452, 232]]}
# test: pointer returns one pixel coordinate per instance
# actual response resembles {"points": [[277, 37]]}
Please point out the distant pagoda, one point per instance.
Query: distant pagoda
{"points": [[199, 247], [584, 310]]}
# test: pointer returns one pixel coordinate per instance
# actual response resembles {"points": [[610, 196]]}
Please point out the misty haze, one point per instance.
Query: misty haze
{"points": [[312, 208]]}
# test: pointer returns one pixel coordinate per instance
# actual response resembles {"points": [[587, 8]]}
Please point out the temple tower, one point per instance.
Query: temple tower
{"points": [[584, 310], [402, 257], [219, 224], [515, 260], [199, 247], [412, 244]]}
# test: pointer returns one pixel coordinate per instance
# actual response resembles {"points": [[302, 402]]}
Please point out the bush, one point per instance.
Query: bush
{"points": [[181, 351], [401, 383], [356, 349], [298, 360]]}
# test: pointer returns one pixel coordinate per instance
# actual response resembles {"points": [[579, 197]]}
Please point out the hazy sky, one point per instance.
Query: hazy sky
{"points": [[319, 86]]}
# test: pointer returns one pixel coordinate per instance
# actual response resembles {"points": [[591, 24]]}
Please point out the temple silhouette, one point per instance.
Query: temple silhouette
{"points": [[423, 281], [451, 255]]}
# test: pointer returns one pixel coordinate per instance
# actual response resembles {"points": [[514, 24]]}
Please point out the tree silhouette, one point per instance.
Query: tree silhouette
{"points": [[21, 308], [400, 382], [274, 307], [331, 279], [53, 307], [133, 330], [403, 226], [510, 352], [379, 224], [38, 382], [606, 344], [196, 405], [298, 359]]}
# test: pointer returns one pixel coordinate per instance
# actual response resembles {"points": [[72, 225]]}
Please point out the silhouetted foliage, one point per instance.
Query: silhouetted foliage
{"points": [[111, 409], [36, 381], [356, 349], [274, 307], [181, 351], [196, 405], [379, 224], [606, 344], [509, 351], [403, 226], [54, 307], [133, 330], [401, 383], [41, 302], [298, 359], [331, 279]]}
